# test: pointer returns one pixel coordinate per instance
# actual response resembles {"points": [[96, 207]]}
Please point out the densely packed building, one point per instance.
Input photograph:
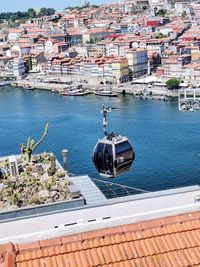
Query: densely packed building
{"points": [[113, 42]]}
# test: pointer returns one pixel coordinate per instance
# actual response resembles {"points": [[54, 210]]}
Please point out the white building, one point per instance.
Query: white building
{"points": [[155, 45], [83, 50], [14, 34], [49, 46], [112, 49], [20, 50], [183, 6], [18, 68]]}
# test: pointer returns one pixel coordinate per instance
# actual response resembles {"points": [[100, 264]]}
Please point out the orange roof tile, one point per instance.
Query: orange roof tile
{"points": [[170, 241]]}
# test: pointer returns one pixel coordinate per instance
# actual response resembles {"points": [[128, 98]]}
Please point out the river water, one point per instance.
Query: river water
{"points": [[166, 141]]}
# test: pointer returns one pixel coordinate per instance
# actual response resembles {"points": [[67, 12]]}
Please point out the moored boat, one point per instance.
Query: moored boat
{"points": [[28, 87], [105, 93], [76, 92]]}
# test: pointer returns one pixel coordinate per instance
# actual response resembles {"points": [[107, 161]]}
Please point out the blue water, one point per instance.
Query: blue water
{"points": [[166, 141]]}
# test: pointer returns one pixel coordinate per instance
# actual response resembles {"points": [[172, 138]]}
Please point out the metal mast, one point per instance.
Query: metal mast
{"points": [[104, 111]]}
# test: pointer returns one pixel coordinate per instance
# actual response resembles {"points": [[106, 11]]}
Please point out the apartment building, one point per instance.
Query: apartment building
{"points": [[137, 61], [14, 34], [155, 45], [173, 66], [120, 69], [16, 68]]}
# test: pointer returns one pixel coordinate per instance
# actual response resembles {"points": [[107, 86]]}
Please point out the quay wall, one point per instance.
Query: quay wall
{"points": [[127, 88], [39, 85]]}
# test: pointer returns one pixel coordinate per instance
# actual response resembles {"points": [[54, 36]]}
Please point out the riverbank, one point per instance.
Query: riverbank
{"points": [[125, 88], [38, 85]]}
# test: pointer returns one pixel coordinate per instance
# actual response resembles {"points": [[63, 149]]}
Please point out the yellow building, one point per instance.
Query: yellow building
{"points": [[120, 69]]}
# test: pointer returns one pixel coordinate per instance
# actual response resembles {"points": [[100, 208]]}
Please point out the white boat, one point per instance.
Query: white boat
{"points": [[76, 92], [105, 93], [28, 87]]}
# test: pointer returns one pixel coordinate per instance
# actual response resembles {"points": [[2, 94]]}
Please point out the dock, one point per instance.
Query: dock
{"points": [[5, 83], [189, 99]]}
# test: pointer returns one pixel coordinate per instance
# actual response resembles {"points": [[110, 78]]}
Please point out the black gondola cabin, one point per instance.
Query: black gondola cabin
{"points": [[113, 156]]}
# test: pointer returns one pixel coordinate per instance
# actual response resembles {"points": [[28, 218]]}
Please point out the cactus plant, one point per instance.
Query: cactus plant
{"points": [[27, 150]]}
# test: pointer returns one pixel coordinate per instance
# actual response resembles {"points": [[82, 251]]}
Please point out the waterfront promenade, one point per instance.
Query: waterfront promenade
{"points": [[59, 85], [40, 85]]}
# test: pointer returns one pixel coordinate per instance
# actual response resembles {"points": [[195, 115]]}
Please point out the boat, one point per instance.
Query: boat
{"points": [[55, 90], [105, 93], [76, 92], [28, 87]]}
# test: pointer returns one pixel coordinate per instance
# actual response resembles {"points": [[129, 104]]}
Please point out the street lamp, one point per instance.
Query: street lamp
{"points": [[65, 155]]}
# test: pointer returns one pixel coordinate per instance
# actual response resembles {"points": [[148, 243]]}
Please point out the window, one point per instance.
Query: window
{"points": [[124, 155]]}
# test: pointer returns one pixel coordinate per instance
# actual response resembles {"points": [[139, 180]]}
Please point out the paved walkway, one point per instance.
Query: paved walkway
{"points": [[89, 190]]}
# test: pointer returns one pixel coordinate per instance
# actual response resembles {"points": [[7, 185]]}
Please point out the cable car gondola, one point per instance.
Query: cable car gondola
{"points": [[113, 154]]}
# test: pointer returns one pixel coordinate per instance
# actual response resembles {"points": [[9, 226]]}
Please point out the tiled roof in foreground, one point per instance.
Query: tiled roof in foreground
{"points": [[170, 241]]}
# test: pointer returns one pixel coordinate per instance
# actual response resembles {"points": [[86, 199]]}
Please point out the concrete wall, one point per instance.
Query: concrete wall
{"points": [[39, 210]]}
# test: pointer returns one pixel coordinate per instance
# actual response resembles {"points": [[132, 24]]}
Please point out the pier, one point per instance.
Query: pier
{"points": [[189, 99], [4, 83]]}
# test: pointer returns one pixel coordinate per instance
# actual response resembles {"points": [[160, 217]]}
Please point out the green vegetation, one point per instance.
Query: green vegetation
{"points": [[74, 8], [160, 35], [28, 149], [79, 7], [161, 12], [94, 40], [40, 181], [95, 6], [29, 14], [46, 12], [172, 83]]}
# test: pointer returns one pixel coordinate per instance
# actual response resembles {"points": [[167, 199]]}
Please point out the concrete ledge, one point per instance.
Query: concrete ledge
{"points": [[41, 210], [100, 223]]}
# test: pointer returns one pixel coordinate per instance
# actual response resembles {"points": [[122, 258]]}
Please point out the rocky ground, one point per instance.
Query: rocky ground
{"points": [[40, 181]]}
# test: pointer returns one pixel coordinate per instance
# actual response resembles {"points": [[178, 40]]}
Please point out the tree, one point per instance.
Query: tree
{"points": [[161, 12], [51, 11], [31, 13], [46, 12], [43, 12], [172, 83], [159, 35]]}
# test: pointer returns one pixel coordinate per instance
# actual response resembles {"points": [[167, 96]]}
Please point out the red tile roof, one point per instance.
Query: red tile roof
{"points": [[171, 242]]}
